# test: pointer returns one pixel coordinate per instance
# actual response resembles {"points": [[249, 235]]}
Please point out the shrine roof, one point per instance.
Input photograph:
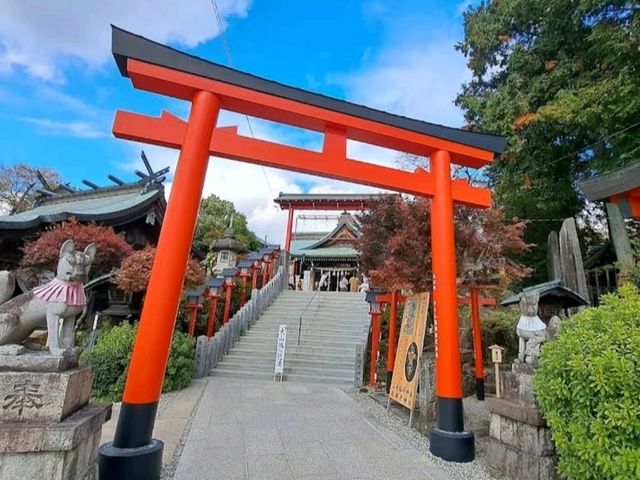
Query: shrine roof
{"points": [[127, 45], [113, 205], [616, 182], [552, 293]]}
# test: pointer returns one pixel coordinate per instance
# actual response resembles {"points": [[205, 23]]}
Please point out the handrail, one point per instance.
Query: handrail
{"points": [[302, 314]]}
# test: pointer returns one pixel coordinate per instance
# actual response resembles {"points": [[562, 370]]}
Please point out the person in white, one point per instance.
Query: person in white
{"points": [[344, 284], [364, 286]]}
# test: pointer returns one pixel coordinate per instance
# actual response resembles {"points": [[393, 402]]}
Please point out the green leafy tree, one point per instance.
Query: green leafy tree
{"points": [[214, 218], [561, 80]]}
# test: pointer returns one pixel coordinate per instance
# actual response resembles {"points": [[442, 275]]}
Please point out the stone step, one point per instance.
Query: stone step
{"points": [[289, 367], [292, 377], [311, 350], [297, 358]]}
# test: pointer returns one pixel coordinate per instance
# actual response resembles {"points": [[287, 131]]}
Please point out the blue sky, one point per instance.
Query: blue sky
{"points": [[59, 87]]}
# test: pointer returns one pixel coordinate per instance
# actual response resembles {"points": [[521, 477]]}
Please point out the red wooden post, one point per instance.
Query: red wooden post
{"points": [[228, 287], [254, 271], [151, 348], [211, 319], [448, 440], [375, 343], [243, 292], [265, 272], [391, 348], [193, 311], [477, 342], [287, 241]]}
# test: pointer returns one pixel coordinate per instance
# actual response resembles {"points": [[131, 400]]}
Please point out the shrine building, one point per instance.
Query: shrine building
{"points": [[314, 253]]}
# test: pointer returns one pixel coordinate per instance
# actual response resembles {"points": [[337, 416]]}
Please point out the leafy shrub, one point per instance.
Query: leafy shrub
{"points": [[135, 271], [110, 359], [498, 327], [588, 386], [44, 252]]}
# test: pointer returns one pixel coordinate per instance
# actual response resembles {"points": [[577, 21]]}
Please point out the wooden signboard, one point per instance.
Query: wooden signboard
{"points": [[404, 384]]}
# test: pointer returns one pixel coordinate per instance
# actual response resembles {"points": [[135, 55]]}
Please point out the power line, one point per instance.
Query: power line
{"points": [[227, 50], [606, 137]]}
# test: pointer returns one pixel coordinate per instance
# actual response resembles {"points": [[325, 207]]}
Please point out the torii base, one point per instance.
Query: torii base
{"points": [[143, 463], [452, 446]]}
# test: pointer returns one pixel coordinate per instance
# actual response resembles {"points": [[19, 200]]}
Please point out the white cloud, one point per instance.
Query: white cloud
{"points": [[48, 126], [418, 79], [42, 37]]}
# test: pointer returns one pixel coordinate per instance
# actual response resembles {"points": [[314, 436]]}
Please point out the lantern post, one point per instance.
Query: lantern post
{"points": [[229, 275], [194, 305], [244, 266], [255, 258], [214, 287]]}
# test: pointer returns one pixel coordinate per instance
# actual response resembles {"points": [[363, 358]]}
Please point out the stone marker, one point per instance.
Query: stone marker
{"points": [[48, 430]]}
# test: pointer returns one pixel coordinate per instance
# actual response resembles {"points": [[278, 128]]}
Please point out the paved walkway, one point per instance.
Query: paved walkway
{"points": [[248, 429], [174, 412]]}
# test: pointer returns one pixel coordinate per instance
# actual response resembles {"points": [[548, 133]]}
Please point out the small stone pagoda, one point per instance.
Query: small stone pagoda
{"points": [[228, 248]]}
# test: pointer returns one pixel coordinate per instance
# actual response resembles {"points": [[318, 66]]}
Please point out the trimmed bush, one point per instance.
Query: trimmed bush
{"points": [[498, 327], [110, 359], [588, 386]]}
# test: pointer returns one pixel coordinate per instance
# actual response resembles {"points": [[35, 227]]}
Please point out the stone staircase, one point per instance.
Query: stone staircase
{"points": [[333, 324]]}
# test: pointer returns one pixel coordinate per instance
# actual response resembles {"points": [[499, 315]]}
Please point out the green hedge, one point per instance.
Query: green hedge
{"points": [[110, 359], [498, 326], [588, 386]]}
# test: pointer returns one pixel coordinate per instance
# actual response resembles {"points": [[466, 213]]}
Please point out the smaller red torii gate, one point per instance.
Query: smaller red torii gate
{"points": [[209, 87], [329, 201]]}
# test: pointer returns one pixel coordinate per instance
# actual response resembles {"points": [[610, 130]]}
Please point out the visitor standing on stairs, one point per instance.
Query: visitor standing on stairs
{"points": [[344, 284], [354, 284]]}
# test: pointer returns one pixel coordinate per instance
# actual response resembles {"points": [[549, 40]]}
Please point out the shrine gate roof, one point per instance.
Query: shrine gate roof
{"points": [[129, 46], [328, 201]]}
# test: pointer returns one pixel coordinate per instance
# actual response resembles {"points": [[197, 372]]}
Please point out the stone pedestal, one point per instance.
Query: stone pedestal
{"points": [[48, 430], [520, 445]]}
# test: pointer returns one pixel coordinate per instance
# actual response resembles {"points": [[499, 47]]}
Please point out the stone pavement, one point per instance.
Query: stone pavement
{"points": [[174, 412], [252, 429]]}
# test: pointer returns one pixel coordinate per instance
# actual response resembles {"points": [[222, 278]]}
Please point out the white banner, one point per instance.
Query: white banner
{"points": [[280, 347]]}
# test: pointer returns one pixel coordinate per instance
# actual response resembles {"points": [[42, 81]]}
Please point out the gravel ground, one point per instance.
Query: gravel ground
{"points": [[396, 419]]}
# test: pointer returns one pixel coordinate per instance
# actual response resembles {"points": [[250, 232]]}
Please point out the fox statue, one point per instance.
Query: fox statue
{"points": [[61, 299]]}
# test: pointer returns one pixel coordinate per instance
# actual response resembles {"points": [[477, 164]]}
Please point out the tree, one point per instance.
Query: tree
{"points": [[18, 185], [396, 244], [561, 80], [214, 218], [135, 271], [44, 252]]}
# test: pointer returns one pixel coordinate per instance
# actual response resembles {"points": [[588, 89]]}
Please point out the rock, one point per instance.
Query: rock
{"points": [[12, 349]]}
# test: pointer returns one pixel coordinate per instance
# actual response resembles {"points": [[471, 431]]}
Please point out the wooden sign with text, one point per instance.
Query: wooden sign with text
{"points": [[405, 371]]}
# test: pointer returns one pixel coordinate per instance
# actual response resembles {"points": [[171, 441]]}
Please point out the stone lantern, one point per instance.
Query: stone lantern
{"points": [[227, 249]]}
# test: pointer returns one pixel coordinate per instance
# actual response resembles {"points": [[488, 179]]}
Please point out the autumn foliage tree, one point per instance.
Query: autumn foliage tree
{"points": [[44, 252], [396, 244], [18, 185], [135, 271]]}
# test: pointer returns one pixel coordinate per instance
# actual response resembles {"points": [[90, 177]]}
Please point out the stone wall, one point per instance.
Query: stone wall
{"points": [[520, 445]]}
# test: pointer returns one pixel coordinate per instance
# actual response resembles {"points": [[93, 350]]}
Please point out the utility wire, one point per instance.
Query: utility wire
{"points": [[606, 137], [227, 50]]}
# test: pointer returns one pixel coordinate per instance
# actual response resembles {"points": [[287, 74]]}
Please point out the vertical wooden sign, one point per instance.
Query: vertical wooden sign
{"points": [[405, 372]]}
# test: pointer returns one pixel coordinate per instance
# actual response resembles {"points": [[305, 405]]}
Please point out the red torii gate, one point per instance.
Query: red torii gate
{"points": [[209, 88], [330, 201]]}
